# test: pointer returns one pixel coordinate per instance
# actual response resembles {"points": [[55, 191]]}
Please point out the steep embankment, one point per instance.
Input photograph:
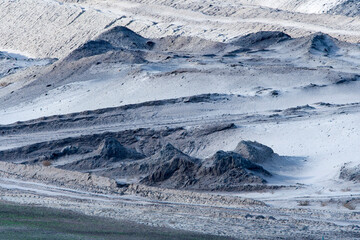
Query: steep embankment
{"points": [[47, 28]]}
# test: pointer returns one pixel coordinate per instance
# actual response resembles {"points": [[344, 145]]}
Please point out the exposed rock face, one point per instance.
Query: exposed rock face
{"points": [[117, 39], [111, 148], [229, 171], [109, 152], [68, 150], [350, 172], [323, 44], [146, 156], [222, 171], [222, 161], [176, 171], [169, 152], [254, 151], [262, 39], [91, 48], [145, 141], [122, 37]]}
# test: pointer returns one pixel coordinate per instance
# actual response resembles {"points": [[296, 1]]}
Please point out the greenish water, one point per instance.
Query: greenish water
{"points": [[29, 222]]}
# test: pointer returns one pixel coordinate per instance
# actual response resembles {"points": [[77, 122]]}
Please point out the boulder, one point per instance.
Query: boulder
{"points": [[254, 151]]}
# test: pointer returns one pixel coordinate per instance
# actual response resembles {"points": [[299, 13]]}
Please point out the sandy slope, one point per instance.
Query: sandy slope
{"points": [[172, 71], [221, 21], [300, 96], [303, 6], [256, 83]]}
